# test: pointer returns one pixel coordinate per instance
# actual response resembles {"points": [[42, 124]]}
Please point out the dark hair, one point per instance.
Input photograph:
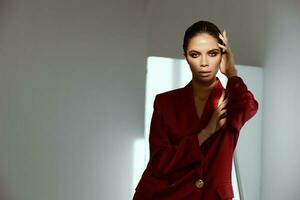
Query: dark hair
{"points": [[201, 27]]}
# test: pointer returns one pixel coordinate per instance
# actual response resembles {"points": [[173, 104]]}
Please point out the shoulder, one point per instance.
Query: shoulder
{"points": [[170, 95], [168, 99], [173, 97]]}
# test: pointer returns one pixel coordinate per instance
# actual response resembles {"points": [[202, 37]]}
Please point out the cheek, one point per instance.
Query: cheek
{"points": [[215, 64], [216, 61], [192, 64]]}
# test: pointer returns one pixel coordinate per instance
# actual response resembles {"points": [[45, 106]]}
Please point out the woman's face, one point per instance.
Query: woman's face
{"points": [[204, 57]]}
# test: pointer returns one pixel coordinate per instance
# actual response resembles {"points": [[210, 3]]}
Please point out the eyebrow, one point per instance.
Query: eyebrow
{"points": [[207, 51]]}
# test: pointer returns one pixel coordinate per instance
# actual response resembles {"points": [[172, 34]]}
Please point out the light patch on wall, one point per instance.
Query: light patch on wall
{"points": [[138, 161]]}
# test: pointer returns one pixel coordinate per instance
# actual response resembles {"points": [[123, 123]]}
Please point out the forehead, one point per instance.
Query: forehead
{"points": [[202, 42]]}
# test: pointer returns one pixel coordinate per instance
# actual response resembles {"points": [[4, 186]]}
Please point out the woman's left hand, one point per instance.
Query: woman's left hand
{"points": [[227, 65]]}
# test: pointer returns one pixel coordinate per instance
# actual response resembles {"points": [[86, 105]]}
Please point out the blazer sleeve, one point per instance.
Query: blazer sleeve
{"points": [[165, 157], [242, 104]]}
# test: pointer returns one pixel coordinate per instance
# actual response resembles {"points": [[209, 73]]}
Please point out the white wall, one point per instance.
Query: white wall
{"points": [[249, 146], [72, 78], [281, 134]]}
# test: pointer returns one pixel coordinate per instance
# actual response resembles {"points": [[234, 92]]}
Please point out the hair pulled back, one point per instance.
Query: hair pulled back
{"points": [[198, 28]]}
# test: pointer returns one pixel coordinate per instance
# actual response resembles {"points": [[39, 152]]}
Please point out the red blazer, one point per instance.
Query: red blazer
{"points": [[179, 168]]}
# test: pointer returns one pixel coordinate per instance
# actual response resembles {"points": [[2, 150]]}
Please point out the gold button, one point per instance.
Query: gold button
{"points": [[199, 183]]}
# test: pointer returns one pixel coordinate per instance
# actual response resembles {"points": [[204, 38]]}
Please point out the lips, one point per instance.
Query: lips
{"points": [[203, 73]]}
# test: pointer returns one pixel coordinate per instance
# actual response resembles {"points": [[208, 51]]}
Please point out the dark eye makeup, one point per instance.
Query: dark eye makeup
{"points": [[212, 53]]}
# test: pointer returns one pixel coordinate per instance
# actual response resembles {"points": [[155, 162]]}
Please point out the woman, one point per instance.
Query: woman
{"points": [[194, 130]]}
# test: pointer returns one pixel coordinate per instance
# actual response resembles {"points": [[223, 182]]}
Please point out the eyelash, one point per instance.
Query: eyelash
{"points": [[215, 54]]}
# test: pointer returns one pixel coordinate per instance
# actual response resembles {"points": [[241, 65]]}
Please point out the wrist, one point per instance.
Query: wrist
{"points": [[203, 136], [207, 131]]}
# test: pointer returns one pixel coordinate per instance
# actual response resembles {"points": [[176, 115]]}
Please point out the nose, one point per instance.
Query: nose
{"points": [[203, 62]]}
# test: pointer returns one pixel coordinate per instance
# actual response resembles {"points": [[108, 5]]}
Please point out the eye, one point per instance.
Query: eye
{"points": [[193, 55], [213, 54]]}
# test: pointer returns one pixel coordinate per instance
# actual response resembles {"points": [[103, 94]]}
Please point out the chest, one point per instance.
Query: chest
{"points": [[185, 118], [199, 106]]}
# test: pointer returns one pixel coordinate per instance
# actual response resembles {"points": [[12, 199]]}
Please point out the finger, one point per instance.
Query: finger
{"points": [[224, 102], [227, 96], [221, 98], [225, 36], [221, 119], [220, 45], [221, 107], [223, 122], [222, 38], [221, 110], [222, 113], [223, 47]]}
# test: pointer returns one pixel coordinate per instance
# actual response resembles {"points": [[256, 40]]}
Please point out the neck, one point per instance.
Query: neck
{"points": [[202, 89]]}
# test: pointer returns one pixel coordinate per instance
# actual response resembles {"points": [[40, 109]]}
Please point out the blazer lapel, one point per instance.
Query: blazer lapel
{"points": [[210, 105]]}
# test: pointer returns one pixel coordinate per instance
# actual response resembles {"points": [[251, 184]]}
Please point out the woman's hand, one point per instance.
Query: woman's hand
{"points": [[218, 118], [227, 66]]}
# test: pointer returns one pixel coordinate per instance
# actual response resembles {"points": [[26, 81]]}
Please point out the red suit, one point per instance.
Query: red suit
{"points": [[179, 168]]}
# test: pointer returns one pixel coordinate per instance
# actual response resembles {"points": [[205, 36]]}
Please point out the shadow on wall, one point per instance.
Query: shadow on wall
{"points": [[5, 9], [5, 192]]}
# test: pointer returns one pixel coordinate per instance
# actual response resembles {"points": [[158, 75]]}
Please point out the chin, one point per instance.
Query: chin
{"points": [[207, 79]]}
